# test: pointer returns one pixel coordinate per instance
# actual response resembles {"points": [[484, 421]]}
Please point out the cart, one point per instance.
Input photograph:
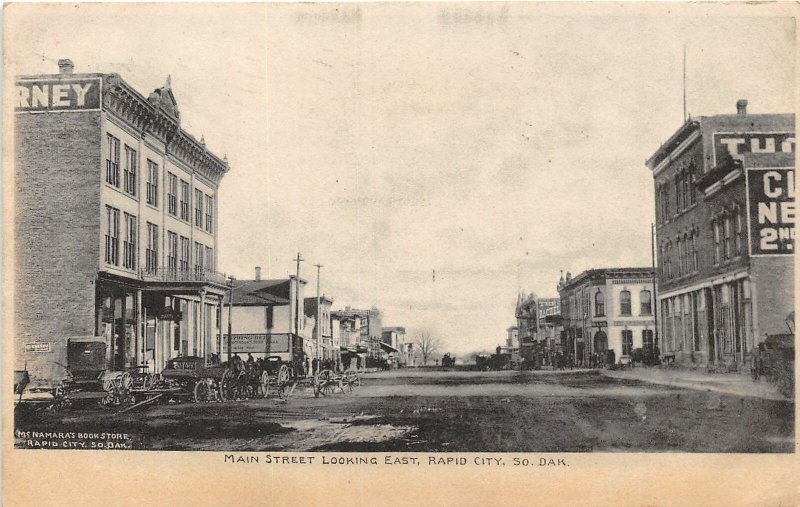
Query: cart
{"points": [[189, 378]]}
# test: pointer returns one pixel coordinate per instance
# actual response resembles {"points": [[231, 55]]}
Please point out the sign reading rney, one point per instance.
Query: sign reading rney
{"points": [[256, 343], [73, 94], [771, 210]]}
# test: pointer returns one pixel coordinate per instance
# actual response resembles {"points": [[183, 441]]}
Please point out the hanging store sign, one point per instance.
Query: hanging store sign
{"points": [[737, 144], [256, 343], [771, 211], [55, 95]]}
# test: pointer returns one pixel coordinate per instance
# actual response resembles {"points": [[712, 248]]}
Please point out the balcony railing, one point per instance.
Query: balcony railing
{"points": [[178, 275]]}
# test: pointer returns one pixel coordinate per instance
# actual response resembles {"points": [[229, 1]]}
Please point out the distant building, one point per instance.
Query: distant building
{"points": [[370, 329], [607, 309], [268, 319], [322, 331], [393, 341], [725, 213], [535, 335]]}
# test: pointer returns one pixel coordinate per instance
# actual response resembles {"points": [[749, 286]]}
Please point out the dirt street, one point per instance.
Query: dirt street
{"points": [[411, 410]]}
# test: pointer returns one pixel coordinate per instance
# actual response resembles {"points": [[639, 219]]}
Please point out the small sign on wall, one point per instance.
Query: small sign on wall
{"points": [[38, 347]]}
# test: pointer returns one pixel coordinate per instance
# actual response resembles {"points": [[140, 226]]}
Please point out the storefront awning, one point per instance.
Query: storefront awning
{"points": [[388, 348]]}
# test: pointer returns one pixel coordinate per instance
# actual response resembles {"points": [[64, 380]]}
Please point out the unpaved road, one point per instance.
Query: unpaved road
{"points": [[457, 411]]}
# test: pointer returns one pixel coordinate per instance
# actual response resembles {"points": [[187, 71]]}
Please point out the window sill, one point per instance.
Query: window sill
{"points": [[121, 191], [151, 206]]}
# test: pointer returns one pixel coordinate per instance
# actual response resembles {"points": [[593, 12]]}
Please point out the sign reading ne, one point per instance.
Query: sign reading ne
{"points": [[256, 343], [74, 94], [771, 210], [737, 144]]}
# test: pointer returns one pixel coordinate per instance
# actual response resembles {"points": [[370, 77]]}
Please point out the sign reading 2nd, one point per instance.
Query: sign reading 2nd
{"points": [[771, 198]]}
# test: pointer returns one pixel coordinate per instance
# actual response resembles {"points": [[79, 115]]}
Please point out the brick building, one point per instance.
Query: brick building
{"points": [[719, 290], [607, 309], [115, 225], [367, 343]]}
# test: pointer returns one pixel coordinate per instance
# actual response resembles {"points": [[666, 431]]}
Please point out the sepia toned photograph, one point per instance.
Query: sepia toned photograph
{"points": [[323, 231]]}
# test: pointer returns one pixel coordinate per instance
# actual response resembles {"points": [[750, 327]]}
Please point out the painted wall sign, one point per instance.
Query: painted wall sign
{"points": [[737, 144], [38, 347], [69, 94], [256, 343], [771, 210]]}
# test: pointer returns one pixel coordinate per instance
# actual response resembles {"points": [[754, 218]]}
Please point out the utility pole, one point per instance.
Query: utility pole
{"points": [[230, 327], [297, 259], [319, 319], [684, 83], [655, 293]]}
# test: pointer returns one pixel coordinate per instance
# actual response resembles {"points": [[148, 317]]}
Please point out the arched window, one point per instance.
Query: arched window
{"points": [[625, 302], [627, 342], [599, 304], [646, 304]]}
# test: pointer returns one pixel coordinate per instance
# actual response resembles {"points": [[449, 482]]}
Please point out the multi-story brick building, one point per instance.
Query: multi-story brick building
{"points": [[607, 309], [370, 329], [322, 333], [724, 280], [115, 225]]}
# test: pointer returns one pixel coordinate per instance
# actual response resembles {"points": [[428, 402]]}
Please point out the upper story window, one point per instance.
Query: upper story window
{"points": [[198, 208], [715, 227], [739, 232], [172, 193], [199, 256], [131, 170], [645, 303], [185, 198], [152, 183], [625, 302], [679, 189], [209, 258], [185, 254], [129, 243], [728, 250], [209, 213], [599, 304], [172, 251], [693, 240], [112, 236], [692, 187], [112, 162], [151, 254]]}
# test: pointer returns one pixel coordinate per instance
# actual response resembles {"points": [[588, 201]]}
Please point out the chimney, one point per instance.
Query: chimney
{"points": [[65, 66], [741, 107], [258, 273]]}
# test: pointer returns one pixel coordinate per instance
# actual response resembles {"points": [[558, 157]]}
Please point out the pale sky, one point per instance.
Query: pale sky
{"points": [[493, 144]]}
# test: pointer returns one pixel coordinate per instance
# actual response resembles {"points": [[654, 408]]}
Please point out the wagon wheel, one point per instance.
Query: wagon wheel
{"points": [[227, 387], [202, 391], [283, 374], [263, 382], [350, 380], [111, 393], [327, 382]]}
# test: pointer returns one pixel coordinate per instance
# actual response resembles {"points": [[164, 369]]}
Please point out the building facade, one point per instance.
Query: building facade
{"points": [[322, 334], [370, 329], [115, 225], [724, 189], [393, 340], [268, 319], [610, 309]]}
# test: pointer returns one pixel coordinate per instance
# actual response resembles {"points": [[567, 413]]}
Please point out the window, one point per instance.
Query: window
{"points": [[645, 303], [209, 214], [693, 241], [185, 196], [715, 227], [112, 162], [678, 193], [680, 257], [152, 183], [112, 235], [151, 254], [129, 244], [665, 201], [185, 254], [198, 208], [728, 238], [692, 190], [131, 168], [172, 194], [625, 302], [209, 259], [199, 255], [172, 251], [599, 304], [647, 340], [627, 342], [739, 232]]}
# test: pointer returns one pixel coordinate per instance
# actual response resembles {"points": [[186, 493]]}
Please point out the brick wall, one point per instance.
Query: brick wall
{"points": [[57, 227]]}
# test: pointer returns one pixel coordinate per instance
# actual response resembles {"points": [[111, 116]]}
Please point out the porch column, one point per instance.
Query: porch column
{"points": [[201, 346], [139, 336]]}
